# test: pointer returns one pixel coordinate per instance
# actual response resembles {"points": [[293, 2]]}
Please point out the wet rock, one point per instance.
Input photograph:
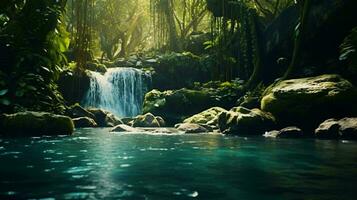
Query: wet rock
{"points": [[191, 128], [146, 120], [35, 124], [288, 132], [83, 122], [124, 128], [271, 134], [307, 101], [243, 121], [345, 128]]}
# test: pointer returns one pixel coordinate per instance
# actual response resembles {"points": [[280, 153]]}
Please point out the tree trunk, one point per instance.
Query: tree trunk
{"points": [[299, 39]]}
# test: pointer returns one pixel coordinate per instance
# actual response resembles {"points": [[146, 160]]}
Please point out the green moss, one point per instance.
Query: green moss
{"points": [[205, 116], [36, 123], [307, 101]]}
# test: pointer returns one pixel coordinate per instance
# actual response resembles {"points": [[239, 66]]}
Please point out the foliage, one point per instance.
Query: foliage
{"points": [[349, 48], [32, 42], [175, 20]]}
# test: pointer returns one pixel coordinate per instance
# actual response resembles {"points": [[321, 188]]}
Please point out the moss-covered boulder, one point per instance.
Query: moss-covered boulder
{"points": [[83, 122], [243, 121], [206, 116], [307, 101], [345, 128], [146, 120], [175, 106], [35, 124]]}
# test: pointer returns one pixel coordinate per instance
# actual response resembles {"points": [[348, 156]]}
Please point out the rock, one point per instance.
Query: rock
{"points": [[291, 132], [124, 128], [35, 124], [176, 105], [82, 122], [191, 128], [73, 86], [104, 118], [77, 111], [307, 101], [147, 120], [205, 116], [161, 121], [242, 121], [179, 70], [96, 67], [288, 132], [345, 128], [112, 120], [271, 134], [127, 120]]}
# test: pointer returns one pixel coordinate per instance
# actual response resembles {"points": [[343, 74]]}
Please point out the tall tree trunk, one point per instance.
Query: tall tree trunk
{"points": [[174, 44], [305, 9]]}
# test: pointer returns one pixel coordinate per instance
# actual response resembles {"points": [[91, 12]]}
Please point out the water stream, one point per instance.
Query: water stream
{"points": [[119, 90]]}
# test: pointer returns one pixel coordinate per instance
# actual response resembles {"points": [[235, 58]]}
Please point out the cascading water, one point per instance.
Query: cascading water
{"points": [[120, 91]]}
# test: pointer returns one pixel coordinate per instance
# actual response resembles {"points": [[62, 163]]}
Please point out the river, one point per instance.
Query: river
{"points": [[96, 164]]}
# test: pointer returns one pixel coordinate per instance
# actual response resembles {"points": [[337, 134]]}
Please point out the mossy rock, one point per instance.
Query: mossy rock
{"points": [[35, 124], [243, 121], [104, 118], [176, 105], [83, 122], [307, 101], [147, 120], [205, 116]]}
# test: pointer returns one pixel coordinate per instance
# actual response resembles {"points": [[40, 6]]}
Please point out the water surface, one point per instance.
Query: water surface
{"points": [[95, 164]]}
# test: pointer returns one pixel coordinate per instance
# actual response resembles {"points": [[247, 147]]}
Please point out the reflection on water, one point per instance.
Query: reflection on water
{"points": [[95, 164]]}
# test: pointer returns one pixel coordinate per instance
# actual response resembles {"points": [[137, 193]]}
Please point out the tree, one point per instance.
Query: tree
{"points": [[300, 33]]}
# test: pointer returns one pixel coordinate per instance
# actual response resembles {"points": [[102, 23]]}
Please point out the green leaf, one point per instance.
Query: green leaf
{"points": [[3, 92]]}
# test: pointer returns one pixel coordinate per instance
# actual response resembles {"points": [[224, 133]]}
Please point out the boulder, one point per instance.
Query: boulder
{"points": [[124, 128], [176, 105], [35, 124], [243, 121], [82, 122], [76, 111], [205, 116], [191, 128], [127, 120], [161, 121], [305, 102], [288, 132], [73, 86], [104, 118], [112, 120], [345, 128], [146, 120]]}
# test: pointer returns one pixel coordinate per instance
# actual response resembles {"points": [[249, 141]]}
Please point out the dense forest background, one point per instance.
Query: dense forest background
{"points": [[251, 42]]}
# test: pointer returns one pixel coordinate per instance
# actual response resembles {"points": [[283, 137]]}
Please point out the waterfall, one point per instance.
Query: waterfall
{"points": [[120, 91]]}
